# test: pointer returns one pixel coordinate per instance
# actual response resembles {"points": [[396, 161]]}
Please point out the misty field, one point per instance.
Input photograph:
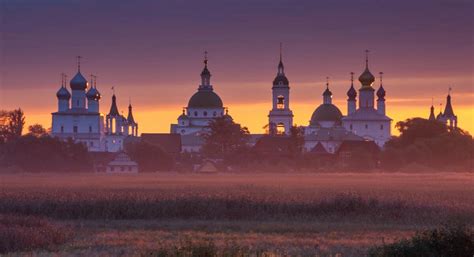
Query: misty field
{"points": [[281, 214]]}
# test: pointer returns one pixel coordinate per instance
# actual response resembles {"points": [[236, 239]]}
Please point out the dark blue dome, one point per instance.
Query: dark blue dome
{"points": [[63, 93], [326, 112], [78, 82]]}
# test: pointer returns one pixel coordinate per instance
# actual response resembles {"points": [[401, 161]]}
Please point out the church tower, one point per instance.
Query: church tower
{"points": [[280, 117]]}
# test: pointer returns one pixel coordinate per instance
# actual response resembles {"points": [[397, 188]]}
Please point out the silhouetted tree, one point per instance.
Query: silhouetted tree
{"points": [[224, 137], [11, 124], [45, 154], [37, 130], [16, 122], [429, 143], [297, 140], [150, 158]]}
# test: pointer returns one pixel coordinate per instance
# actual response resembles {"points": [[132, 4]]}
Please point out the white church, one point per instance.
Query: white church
{"points": [[328, 127], [78, 117]]}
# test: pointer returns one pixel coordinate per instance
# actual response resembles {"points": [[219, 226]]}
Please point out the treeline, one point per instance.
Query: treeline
{"points": [[422, 144], [36, 151]]}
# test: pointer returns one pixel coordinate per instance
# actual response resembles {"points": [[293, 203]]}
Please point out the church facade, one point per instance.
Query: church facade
{"points": [[78, 117], [328, 128]]}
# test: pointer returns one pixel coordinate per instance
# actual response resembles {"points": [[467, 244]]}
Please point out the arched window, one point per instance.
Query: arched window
{"points": [[366, 126], [280, 102], [214, 114], [381, 126], [205, 113], [62, 129], [280, 129], [350, 126], [112, 125], [90, 129], [195, 113]]}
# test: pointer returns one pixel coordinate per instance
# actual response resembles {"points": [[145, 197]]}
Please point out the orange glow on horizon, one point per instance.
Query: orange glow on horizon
{"points": [[254, 115]]}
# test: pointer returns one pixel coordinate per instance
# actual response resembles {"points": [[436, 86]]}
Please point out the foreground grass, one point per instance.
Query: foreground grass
{"points": [[296, 215], [19, 233]]}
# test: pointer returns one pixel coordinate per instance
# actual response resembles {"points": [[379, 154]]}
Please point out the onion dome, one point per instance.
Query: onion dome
{"points": [[205, 98], [381, 90], [63, 93], [381, 93], [352, 93], [93, 94], [326, 112], [281, 79], [78, 82], [366, 78]]}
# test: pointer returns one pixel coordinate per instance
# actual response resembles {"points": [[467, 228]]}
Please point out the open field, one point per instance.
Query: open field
{"points": [[303, 214]]}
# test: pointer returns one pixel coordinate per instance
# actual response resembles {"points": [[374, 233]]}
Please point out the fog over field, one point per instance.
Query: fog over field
{"points": [[295, 214]]}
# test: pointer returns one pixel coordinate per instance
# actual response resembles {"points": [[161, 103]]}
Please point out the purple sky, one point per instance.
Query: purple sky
{"points": [[152, 50]]}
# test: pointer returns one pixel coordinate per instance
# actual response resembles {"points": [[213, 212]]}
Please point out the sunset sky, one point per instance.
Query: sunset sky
{"points": [[152, 52]]}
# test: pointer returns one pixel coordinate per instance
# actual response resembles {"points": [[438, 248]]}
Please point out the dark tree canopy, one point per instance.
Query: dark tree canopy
{"points": [[45, 154], [224, 137], [37, 130], [429, 143], [11, 124], [150, 158]]}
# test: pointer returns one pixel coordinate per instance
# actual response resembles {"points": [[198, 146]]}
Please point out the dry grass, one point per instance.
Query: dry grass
{"points": [[301, 214]]}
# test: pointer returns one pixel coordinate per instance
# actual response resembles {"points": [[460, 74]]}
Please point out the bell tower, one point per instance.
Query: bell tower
{"points": [[280, 118]]}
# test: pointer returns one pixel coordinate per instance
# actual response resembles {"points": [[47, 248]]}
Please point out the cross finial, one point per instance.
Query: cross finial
{"points": [[381, 74], [449, 90], [367, 58], [205, 58], [113, 90], [184, 110], [281, 50], [62, 80], [92, 80], [79, 63], [432, 101], [65, 79], [327, 82], [352, 78], [129, 101]]}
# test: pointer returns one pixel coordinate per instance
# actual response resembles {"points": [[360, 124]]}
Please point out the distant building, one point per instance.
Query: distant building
{"points": [[78, 117], [122, 164]]}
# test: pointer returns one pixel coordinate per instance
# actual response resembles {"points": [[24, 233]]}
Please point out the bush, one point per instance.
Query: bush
{"points": [[19, 233], [443, 242]]}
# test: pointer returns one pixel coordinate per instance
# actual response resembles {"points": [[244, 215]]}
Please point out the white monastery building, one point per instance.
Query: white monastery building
{"points": [[78, 117]]}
